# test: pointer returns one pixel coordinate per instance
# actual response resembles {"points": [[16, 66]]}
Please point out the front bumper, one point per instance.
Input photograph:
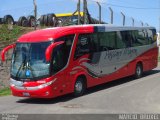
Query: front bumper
{"points": [[41, 93], [44, 90]]}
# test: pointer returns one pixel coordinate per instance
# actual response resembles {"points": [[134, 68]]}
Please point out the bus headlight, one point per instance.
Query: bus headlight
{"points": [[46, 84]]}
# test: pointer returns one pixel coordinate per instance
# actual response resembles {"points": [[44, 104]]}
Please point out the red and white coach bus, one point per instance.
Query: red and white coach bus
{"points": [[52, 62]]}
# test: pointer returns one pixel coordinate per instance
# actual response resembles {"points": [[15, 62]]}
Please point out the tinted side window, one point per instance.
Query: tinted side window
{"points": [[107, 41], [94, 41], [60, 54], [135, 41], [120, 41], [141, 37], [127, 38], [83, 45], [151, 35]]}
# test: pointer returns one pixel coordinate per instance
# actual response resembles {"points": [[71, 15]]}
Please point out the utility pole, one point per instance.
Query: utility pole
{"points": [[35, 13], [159, 24], [79, 9], [85, 11], [100, 11], [159, 17]]}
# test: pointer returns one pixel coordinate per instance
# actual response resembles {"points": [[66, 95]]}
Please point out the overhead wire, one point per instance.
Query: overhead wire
{"points": [[129, 7]]}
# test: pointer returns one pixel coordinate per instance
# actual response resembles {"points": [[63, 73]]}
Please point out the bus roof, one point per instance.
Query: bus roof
{"points": [[53, 33]]}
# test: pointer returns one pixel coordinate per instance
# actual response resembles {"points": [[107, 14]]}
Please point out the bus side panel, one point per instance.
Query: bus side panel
{"points": [[149, 60]]}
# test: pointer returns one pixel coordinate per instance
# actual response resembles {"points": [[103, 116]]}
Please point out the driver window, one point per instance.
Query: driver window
{"points": [[58, 60], [83, 45], [61, 53]]}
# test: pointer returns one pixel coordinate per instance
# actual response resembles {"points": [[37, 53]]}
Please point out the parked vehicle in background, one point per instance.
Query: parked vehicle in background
{"points": [[58, 19], [65, 19], [56, 61], [52, 20]]}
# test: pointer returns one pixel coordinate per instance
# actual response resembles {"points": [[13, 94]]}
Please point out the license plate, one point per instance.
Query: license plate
{"points": [[26, 94]]}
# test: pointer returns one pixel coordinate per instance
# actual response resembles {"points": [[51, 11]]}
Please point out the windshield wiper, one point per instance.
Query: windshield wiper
{"points": [[21, 66]]}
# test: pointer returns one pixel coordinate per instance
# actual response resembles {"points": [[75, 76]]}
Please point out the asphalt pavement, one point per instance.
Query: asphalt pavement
{"points": [[127, 95]]}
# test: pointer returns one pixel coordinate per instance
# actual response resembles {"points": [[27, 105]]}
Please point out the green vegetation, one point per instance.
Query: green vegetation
{"points": [[5, 92], [159, 59], [9, 32]]}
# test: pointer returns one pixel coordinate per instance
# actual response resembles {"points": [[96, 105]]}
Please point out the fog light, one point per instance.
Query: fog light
{"points": [[47, 93]]}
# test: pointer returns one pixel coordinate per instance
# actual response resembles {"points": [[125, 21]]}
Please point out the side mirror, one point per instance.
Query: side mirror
{"points": [[5, 50], [50, 49]]}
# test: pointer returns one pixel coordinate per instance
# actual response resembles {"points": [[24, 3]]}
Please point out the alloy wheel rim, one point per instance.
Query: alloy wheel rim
{"points": [[138, 71], [78, 86]]}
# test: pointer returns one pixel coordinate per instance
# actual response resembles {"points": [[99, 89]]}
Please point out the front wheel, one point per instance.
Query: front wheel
{"points": [[79, 87], [139, 71]]}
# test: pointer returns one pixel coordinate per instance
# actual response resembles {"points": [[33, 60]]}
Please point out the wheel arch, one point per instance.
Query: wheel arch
{"points": [[140, 63], [80, 75]]}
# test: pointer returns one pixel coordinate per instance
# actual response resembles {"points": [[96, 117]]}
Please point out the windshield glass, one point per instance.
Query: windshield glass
{"points": [[28, 61]]}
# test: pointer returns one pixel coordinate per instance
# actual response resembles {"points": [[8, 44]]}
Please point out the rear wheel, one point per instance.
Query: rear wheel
{"points": [[79, 87], [138, 71]]}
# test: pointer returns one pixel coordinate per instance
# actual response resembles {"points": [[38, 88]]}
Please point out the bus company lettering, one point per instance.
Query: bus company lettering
{"points": [[130, 52], [117, 54]]}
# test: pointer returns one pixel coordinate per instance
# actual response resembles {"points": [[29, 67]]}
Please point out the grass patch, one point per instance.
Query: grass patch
{"points": [[5, 92], [158, 59], [12, 34]]}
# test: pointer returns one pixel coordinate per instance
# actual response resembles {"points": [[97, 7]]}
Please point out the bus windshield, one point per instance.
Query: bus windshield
{"points": [[28, 61]]}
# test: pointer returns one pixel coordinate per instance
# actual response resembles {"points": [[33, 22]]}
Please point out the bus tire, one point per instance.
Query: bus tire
{"points": [[25, 23], [59, 22], [21, 20], [45, 20], [79, 87], [31, 21], [1, 20], [138, 71], [51, 19], [8, 19], [42, 20]]}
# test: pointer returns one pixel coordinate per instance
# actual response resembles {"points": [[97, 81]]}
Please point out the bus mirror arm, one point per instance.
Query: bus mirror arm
{"points": [[12, 46], [50, 48]]}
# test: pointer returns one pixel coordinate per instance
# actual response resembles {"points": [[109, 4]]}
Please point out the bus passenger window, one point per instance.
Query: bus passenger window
{"points": [[141, 37], [127, 38], [94, 43], [119, 41], [107, 41], [150, 36]]}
